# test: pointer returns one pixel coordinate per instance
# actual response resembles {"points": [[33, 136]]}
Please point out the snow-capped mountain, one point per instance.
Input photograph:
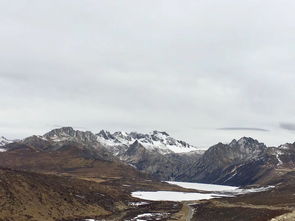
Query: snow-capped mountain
{"points": [[156, 140], [69, 134], [156, 153], [4, 141], [118, 142]]}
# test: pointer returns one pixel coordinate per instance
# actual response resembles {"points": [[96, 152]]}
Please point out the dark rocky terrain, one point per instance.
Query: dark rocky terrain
{"points": [[242, 162]]}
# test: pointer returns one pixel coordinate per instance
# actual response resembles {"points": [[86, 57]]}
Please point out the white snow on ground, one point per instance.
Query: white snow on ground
{"points": [[108, 142], [217, 191], [138, 203], [253, 190], [278, 158], [165, 148], [220, 188], [2, 150], [204, 187], [173, 196], [154, 216]]}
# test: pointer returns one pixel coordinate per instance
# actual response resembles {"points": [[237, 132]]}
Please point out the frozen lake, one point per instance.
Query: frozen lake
{"points": [[173, 196], [217, 191], [205, 187]]}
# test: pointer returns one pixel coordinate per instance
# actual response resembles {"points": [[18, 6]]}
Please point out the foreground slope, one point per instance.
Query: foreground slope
{"points": [[32, 196], [277, 204], [28, 196]]}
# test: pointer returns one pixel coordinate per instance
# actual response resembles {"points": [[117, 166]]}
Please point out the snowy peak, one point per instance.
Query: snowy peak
{"points": [[4, 141], [105, 135], [247, 143], [155, 140], [160, 134], [69, 134], [237, 151]]}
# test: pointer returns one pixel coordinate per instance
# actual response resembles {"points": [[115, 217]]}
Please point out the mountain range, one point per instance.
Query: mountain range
{"points": [[71, 175], [241, 162]]}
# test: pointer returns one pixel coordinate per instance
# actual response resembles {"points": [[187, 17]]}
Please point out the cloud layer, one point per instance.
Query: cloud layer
{"points": [[288, 126], [243, 129], [184, 67]]}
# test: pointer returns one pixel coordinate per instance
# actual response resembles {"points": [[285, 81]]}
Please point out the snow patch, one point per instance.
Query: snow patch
{"points": [[278, 158], [222, 189], [173, 196], [204, 187], [138, 203], [153, 216], [253, 190]]}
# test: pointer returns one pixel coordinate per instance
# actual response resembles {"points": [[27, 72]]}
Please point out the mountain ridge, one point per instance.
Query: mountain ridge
{"points": [[240, 162]]}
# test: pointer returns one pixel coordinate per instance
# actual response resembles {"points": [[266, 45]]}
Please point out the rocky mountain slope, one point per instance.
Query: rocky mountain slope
{"points": [[241, 162], [156, 153], [4, 141], [166, 167], [155, 141]]}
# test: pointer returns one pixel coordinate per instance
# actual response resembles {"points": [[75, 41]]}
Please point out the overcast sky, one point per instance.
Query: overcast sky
{"points": [[203, 70]]}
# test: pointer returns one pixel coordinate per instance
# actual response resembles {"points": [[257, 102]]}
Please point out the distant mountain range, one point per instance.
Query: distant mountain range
{"points": [[241, 162]]}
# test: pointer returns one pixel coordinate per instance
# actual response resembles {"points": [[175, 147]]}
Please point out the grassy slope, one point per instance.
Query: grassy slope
{"points": [[68, 161], [33, 196]]}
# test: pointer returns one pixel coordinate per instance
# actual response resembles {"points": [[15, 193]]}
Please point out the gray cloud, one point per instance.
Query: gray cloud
{"points": [[243, 128], [288, 126], [165, 65]]}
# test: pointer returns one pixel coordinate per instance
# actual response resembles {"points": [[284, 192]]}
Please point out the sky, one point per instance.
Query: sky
{"points": [[204, 71]]}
